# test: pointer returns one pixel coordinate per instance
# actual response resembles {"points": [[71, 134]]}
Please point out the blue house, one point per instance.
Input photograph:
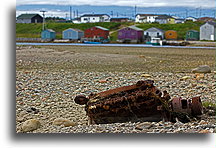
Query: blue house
{"points": [[48, 35], [72, 34]]}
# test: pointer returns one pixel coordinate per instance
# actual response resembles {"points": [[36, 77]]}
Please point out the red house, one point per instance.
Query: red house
{"points": [[97, 32]]}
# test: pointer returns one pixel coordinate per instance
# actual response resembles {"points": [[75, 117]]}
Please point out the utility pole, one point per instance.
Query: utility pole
{"points": [[112, 14], [186, 13], [43, 11], [135, 11], [200, 12], [66, 16], [70, 13]]}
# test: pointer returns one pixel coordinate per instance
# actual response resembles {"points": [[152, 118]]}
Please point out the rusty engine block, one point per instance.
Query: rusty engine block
{"points": [[141, 101]]}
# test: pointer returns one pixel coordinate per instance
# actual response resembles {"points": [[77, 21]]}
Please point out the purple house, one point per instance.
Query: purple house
{"points": [[130, 34]]}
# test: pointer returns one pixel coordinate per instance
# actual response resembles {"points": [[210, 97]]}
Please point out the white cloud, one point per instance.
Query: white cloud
{"points": [[141, 3]]}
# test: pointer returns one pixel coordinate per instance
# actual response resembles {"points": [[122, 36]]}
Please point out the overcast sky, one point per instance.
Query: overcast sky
{"points": [[141, 3]]}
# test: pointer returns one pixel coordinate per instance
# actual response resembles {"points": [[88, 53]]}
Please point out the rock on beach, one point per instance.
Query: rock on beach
{"points": [[31, 125], [202, 69]]}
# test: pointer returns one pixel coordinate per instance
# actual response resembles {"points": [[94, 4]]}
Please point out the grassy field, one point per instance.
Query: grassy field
{"points": [[121, 59], [34, 30]]}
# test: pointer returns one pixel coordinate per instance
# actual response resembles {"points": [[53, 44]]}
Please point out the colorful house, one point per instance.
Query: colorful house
{"points": [[48, 35], [165, 19], [171, 35], [130, 34], [153, 33], [72, 34], [97, 33], [192, 35]]}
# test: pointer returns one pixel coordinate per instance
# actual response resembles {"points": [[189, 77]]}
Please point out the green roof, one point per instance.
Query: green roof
{"points": [[26, 16]]}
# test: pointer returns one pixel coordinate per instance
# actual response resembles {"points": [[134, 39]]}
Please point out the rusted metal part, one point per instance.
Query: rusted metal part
{"points": [[191, 106], [141, 101]]}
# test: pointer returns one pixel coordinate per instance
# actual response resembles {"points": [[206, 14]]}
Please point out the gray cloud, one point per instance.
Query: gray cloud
{"points": [[141, 3]]}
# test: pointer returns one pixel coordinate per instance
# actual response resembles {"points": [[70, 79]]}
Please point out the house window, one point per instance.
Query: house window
{"points": [[120, 33], [132, 33], [85, 19]]}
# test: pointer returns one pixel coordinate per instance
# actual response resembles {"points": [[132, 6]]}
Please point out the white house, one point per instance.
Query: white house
{"points": [[190, 18], [207, 31], [146, 18], [93, 18]]}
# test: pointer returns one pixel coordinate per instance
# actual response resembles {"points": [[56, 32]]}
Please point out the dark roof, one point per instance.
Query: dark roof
{"points": [[163, 17], [93, 15], [27, 16], [119, 18]]}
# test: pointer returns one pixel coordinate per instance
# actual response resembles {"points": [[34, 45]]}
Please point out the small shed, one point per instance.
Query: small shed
{"points": [[207, 31], [171, 35], [96, 32], [72, 34], [130, 34], [192, 35], [29, 18], [153, 33], [48, 35]]}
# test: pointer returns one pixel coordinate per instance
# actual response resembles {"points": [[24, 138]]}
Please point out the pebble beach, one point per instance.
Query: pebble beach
{"points": [[45, 97]]}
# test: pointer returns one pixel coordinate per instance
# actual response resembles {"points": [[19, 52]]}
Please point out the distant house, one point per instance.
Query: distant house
{"points": [[48, 35], [179, 21], [165, 19], [192, 35], [190, 18], [207, 31], [146, 18], [130, 34], [93, 18], [153, 33], [206, 19], [97, 32], [119, 19], [29, 18], [171, 35], [72, 34], [77, 20]]}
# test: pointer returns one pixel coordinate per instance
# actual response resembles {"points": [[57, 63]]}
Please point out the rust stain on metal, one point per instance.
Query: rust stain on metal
{"points": [[141, 101]]}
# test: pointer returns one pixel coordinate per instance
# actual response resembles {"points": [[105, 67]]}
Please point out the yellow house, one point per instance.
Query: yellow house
{"points": [[171, 20], [165, 19]]}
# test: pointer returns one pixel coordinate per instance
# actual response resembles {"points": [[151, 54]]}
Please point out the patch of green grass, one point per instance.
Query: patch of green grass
{"points": [[208, 104]]}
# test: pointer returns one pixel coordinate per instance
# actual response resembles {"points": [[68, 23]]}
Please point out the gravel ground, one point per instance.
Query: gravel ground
{"points": [[47, 95]]}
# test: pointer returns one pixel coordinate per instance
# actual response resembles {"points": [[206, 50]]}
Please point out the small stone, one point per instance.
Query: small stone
{"points": [[144, 125], [102, 81], [203, 122], [202, 69], [204, 131], [145, 75], [30, 125], [199, 76], [185, 78], [62, 121]]}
